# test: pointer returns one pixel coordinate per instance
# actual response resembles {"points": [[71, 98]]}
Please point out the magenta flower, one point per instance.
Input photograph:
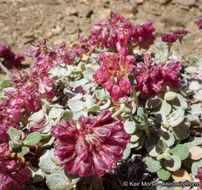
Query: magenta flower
{"points": [[114, 72], [6, 120], [110, 31], [199, 23], [180, 33], [9, 58], [170, 73], [91, 146], [118, 32], [143, 35], [169, 38], [63, 55], [199, 175], [13, 173], [3, 133], [151, 78]]}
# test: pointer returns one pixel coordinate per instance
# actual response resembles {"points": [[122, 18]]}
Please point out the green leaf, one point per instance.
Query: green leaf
{"points": [[6, 83], [174, 164], [134, 107], [135, 137], [192, 141], [198, 95], [32, 139], [90, 104], [130, 127], [196, 109], [164, 174], [88, 73], [150, 143], [15, 144], [170, 96], [77, 83], [180, 102], [176, 117], [36, 116], [194, 85], [169, 138], [195, 166], [155, 151], [126, 152], [46, 163], [67, 114], [55, 113], [48, 142], [77, 59], [165, 156], [181, 150], [141, 113], [23, 151], [181, 132], [138, 144], [193, 119], [101, 94], [14, 134], [152, 165], [153, 102], [59, 181], [165, 108], [106, 105], [162, 144], [75, 105]]}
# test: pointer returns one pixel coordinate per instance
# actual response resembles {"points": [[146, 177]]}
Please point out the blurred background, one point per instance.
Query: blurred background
{"points": [[25, 21]]}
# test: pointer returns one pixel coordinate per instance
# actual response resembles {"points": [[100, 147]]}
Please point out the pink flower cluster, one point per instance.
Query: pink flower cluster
{"points": [[151, 78], [180, 33], [13, 172], [199, 23], [93, 147], [113, 75], [199, 175], [169, 38], [49, 57], [143, 35], [9, 58], [25, 95], [117, 32]]}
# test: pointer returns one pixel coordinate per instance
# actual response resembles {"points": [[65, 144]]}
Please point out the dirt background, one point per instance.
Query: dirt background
{"points": [[25, 21]]}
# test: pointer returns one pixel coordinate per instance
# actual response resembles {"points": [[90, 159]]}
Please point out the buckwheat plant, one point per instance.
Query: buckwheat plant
{"points": [[100, 113]]}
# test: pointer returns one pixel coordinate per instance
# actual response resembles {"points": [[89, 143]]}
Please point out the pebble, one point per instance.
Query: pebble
{"points": [[139, 2], [162, 2], [71, 11], [101, 14], [186, 2]]}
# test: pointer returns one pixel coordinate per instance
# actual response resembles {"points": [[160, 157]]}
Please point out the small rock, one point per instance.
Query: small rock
{"points": [[139, 2], [28, 34], [57, 29], [170, 18], [186, 2], [101, 14], [152, 8], [85, 11], [130, 8], [162, 2], [71, 11]]}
